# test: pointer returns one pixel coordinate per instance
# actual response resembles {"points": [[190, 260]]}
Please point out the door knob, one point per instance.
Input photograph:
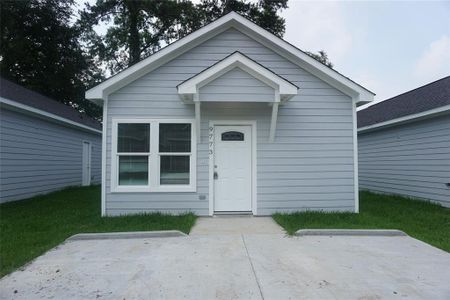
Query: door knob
{"points": [[216, 176]]}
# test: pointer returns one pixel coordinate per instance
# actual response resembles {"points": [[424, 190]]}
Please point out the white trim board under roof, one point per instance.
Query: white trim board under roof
{"points": [[14, 105], [438, 111], [232, 20], [189, 89]]}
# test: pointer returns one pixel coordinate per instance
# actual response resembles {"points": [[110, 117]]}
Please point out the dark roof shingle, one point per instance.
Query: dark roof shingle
{"points": [[20, 94], [427, 97]]}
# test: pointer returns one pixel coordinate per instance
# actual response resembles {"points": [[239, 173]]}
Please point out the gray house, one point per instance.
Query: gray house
{"points": [[404, 144], [229, 119], [44, 145]]}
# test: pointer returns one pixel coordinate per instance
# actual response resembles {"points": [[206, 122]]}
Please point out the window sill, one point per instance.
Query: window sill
{"points": [[172, 189]]}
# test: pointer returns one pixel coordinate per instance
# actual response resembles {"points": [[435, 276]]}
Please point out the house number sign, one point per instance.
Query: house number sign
{"points": [[211, 140]]}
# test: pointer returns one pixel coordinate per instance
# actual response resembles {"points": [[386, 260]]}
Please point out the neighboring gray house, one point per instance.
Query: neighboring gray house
{"points": [[404, 144], [44, 145], [229, 119]]}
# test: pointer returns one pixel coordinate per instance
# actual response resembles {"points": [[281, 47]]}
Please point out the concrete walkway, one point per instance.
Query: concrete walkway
{"points": [[243, 262], [219, 225]]}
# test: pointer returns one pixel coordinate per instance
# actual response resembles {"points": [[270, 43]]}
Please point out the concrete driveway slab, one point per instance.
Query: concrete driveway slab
{"points": [[342, 267], [236, 266], [235, 225], [157, 268]]}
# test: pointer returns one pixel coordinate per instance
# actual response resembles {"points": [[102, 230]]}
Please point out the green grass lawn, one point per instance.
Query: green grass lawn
{"points": [[422, 220], [30, 227]]}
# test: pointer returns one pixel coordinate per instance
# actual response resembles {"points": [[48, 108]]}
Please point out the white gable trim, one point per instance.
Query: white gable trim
{"points": [[330, 76], [192, 86]]}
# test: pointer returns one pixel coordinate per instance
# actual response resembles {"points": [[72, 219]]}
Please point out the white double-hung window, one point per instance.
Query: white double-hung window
{"points": [[153, 156]]}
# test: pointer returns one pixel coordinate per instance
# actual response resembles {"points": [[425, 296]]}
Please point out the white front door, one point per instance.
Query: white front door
{"points": [[232, 168], [86, 164]]}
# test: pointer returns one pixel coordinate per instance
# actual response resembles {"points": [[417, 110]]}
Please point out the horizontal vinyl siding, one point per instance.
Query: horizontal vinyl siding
{"points": [[411, 159], [310, 164], [237, 86], [38, 156]]}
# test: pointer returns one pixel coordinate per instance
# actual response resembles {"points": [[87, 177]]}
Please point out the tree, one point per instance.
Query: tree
{"points": [[40, 50], [136, 29], [321, 56], [263, 12], [139, 28]]}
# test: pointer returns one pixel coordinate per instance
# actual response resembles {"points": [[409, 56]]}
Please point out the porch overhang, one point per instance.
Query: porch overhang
{"points": [[189, 90]]}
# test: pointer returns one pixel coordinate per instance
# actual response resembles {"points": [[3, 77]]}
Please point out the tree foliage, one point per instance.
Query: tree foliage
{"points": [[321, 56], [50, 47], [40, 50], [139, 28], [135, 29], [263, 12]]}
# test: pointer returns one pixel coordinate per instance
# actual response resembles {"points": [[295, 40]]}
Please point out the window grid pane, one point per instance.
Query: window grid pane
{"points": [[174, 170], [133, 137], [133, 170], [175, 137]]}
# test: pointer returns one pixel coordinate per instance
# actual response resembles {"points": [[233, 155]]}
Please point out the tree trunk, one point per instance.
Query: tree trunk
{"points": [[133, 40]]}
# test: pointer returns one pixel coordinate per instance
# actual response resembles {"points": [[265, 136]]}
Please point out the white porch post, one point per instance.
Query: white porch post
{"points": [[273, 121], [197, 117]]}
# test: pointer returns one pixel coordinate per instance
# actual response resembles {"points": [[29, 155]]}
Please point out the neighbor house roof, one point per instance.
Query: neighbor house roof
{"points": [[20, 97], [360, 94], [433, 97]]}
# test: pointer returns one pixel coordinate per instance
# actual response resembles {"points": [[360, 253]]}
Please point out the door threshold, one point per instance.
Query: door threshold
{"points": [[233, 214]]}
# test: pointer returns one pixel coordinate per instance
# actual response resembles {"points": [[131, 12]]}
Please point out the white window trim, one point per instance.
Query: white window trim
{"points": [[154, 159]]}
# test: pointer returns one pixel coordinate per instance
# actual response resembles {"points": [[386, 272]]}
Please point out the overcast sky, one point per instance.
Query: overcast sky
{"points": [[389, 47]]}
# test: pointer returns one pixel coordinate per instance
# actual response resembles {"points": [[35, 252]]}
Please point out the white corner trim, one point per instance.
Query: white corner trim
{"points": [[235, 20], [211, 151], [426, 114], [355, 157], [45, 114], [237, 60], [104, 137]]}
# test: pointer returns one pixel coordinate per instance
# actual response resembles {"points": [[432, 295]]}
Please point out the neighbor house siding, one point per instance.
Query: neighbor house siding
{"points": [[411, 159], [39, 156], [310, 164]]}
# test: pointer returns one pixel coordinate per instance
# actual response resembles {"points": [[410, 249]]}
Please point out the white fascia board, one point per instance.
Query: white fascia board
{"points": [[45, 115], [237, 60], [335, 79], [159, 58], [305, 61], [414, 117]]}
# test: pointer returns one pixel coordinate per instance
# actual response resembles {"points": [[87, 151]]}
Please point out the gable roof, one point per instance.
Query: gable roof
{"points": [[422, 99], [231, 20], [12, 93], [285, 89]]}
